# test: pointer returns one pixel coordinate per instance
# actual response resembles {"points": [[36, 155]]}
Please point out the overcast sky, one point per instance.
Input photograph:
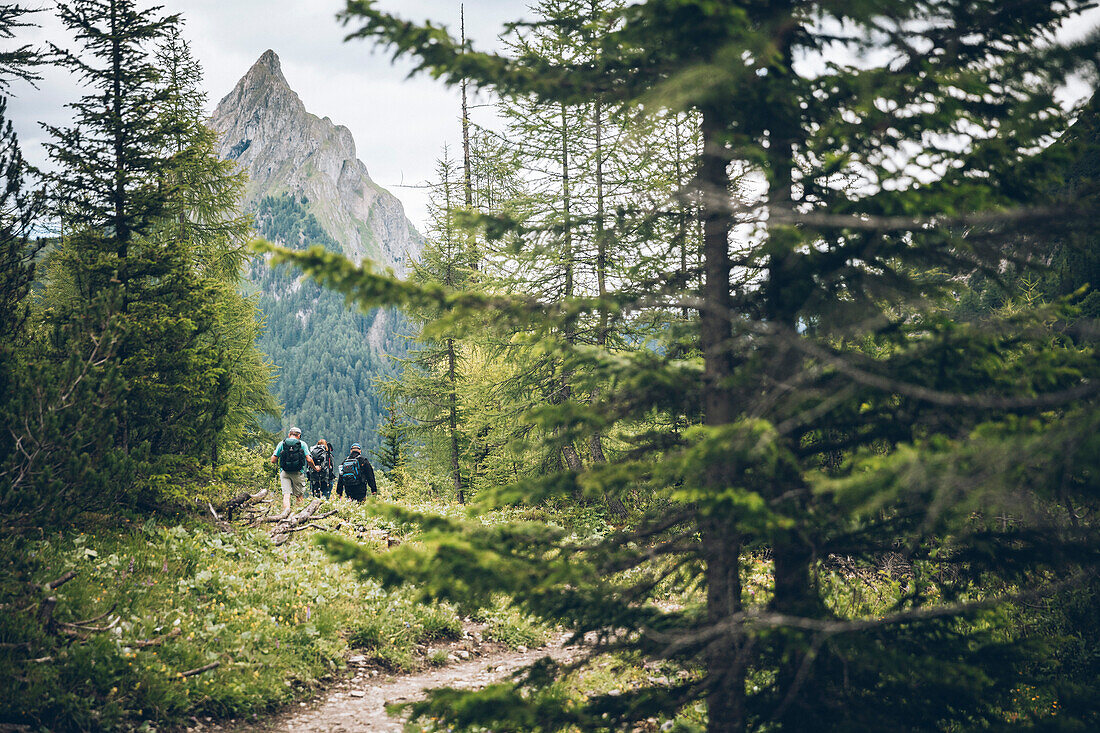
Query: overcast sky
{"points": [[400, 125]]}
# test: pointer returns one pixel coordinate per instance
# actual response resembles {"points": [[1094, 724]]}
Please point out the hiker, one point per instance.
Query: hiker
{"points": [[320, 479], [292, 457], [356, 474]]}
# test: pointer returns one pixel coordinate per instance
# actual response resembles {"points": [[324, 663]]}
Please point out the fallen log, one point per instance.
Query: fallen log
{"points": [[282, 531], [241, 500]]}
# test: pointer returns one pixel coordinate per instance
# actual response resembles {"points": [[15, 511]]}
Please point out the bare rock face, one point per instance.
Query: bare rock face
{"points": [[264, 126]]}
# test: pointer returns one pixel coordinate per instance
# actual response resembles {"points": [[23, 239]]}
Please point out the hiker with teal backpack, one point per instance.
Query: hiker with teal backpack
{"points": [[292, 457], [356, 475]]}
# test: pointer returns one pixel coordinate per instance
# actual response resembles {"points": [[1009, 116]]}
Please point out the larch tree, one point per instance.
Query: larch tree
{"points": [[431, 383]]}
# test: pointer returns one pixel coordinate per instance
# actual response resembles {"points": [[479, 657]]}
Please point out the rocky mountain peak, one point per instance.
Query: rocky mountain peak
{"points": [[269, 60], [265, 127]]}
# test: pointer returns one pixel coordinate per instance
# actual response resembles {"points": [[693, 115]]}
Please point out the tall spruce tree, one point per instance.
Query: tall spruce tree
{"points": [[203, 223], [842, 412], [108, 184], [109, 161], [392, 454]]}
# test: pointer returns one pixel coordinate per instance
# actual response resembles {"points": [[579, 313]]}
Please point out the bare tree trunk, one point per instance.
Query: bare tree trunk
{"points": [[568, 451], [118, 195], [721, 544], [467, 182], [792, 554], [682, 214], [452, 421], [595, 441]]}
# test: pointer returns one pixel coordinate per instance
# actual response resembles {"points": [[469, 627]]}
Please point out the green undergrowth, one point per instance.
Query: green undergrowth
{"points": [[507, 625], [390, 631], [160, 593], [174, 594]]}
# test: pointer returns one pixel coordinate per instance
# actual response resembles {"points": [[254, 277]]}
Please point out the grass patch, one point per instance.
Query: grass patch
{"points": [[389, 630], [506, 624]]}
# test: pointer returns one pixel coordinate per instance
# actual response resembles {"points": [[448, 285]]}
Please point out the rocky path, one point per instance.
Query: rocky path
{"points": [[359, 704]]}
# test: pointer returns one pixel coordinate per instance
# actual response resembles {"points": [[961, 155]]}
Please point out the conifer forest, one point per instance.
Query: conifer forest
{"points": [[741, 371]]}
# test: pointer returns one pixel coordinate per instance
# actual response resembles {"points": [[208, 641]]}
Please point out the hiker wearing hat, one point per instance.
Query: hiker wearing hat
{"points": [[292, 457], [320, 479], [356, 475]]}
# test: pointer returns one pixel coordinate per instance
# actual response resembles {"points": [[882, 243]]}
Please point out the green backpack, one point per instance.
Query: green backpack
{"points": [[293, 457]]}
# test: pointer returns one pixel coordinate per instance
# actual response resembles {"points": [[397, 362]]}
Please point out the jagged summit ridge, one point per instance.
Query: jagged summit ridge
{"points": [[265, 127], [270, 61]]}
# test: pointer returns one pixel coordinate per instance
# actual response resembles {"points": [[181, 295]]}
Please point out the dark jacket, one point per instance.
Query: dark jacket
{"points": [[344, 487], [326, 471]]}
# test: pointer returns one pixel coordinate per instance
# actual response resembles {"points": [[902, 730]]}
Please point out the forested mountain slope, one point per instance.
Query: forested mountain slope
{"points": [[307, 187]]}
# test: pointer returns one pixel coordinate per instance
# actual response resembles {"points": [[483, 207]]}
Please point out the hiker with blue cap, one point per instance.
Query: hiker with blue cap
{"points": [[356, 475]]}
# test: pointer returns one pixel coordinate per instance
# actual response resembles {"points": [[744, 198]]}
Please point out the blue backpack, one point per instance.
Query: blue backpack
{"points": [[349, 472]]}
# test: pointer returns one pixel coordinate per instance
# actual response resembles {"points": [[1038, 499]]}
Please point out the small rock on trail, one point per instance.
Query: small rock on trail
{"points": [[360, 704]]}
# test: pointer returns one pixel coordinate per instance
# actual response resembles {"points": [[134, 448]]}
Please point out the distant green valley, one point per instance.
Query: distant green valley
{"points": [[327, 354]]}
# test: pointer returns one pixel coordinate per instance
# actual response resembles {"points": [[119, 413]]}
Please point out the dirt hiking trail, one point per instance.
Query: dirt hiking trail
{"points": [[358, 704]]}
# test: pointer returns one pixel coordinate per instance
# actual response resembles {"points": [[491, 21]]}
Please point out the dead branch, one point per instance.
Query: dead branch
{"points": [[309, 525], [200, 670], [282, 531], [57, 583], [306, 513], [93, 629], [222, 525], [85, 622], [145, 643]]}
